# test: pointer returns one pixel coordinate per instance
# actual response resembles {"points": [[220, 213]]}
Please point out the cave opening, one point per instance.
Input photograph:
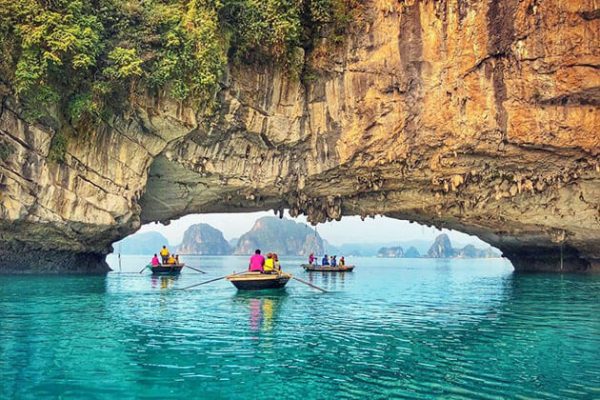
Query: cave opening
{"points": [[238, 234]]}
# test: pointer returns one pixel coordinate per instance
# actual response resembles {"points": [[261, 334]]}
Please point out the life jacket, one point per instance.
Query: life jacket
{"points": [[171, 260], [164, 252], [269, 265]]}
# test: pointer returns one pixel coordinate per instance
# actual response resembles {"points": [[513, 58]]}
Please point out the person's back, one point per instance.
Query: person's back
{"points": [[311, 258], [256, 262], [269, 264], [164, 253], [155, 262], [171, 261], [333, 261], [325, 260], [342, 262]]}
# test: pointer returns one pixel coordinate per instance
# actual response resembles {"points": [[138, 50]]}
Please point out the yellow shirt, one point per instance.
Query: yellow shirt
{"points": [[268, 265], [164, 252], [171, 260]]}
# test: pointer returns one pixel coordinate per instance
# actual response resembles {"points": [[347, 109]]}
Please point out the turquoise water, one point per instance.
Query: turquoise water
{"points": [[392, 329]]}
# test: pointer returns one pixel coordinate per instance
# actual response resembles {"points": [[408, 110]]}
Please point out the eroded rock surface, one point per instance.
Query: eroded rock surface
{"points": [[478, 116]]}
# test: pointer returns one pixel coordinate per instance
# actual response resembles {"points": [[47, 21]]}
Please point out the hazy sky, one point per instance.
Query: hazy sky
{"points": [[348, 230]]}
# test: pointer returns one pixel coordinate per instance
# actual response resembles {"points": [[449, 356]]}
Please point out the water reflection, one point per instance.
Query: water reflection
{"points": [[263, 309], [164, 282]]}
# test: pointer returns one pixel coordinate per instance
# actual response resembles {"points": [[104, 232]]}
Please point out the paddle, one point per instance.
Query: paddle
{"points": [[195, 269], [143, 269], [310, 284], [210, 280]]}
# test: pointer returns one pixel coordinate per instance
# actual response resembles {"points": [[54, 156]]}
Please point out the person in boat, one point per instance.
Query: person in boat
{"points": [[325, 260], [269, 264], [176, 258], [333, 261], [276, 263], [342, 261], [164, 253], [257, 262], [311, 258], [155, 262], [171, 260]]}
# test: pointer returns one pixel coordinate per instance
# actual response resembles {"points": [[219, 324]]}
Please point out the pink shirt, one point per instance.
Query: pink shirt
{"points": [[256, 262], [155, 261]]}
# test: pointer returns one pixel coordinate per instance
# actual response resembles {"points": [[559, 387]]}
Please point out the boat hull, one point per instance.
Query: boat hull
{"points": [[320, 268], [167, 269], [259, 281]]}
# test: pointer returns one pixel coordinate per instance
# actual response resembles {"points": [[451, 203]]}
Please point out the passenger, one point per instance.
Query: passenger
{"points": [[276, 263], [269, 264], [171, 260], [176, 258], [342, 261], [325, 260], [164, 253], [155, 262], [333, 261], [311, 258], [257, 262]]}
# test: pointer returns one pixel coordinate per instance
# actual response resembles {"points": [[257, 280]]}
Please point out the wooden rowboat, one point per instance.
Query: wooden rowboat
{"points": [[259, 281], [327, 268], [166, 269]]}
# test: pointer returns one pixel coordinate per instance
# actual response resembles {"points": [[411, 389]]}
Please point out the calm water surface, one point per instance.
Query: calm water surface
{"points": [[391, 329]]}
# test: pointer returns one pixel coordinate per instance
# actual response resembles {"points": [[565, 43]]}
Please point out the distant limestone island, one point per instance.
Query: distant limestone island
{"points": [[282, 236], [203, 239], [441, 248], [289, 238], [271, 234]]}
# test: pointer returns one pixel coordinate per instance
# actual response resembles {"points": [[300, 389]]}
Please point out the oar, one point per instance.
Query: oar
{"points": [[210, 280], [310, 284], [143, 269], [195, 269]]}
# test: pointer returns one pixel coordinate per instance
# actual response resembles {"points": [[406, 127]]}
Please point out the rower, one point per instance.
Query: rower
{"points": [[164, 253]]}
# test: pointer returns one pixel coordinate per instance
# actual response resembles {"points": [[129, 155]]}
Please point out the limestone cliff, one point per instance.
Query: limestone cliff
{"points": [[281, 236], [203, 239], [479, 116], [441, 248], [390, 252]]}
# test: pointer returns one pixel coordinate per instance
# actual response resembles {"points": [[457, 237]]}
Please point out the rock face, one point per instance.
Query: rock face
{"points": [[391, 252], [441, 248], [282, 236], [203, 239], [480, 116]]}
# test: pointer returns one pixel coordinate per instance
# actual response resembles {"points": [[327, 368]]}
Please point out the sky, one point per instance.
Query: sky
{"points": [[348, 230]]}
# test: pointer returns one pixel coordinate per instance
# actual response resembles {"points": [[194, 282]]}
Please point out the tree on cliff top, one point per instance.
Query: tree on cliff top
{"points": [[82, 55]]}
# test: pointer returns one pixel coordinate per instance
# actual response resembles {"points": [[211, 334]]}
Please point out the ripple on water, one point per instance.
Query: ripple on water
{"points": [[391, 329]]}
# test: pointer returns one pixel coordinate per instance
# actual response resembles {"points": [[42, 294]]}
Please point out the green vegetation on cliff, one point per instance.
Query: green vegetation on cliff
{"points": [[82, 57]]}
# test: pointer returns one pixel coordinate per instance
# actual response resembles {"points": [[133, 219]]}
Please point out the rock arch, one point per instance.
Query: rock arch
{"points": [[466, 116]]}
